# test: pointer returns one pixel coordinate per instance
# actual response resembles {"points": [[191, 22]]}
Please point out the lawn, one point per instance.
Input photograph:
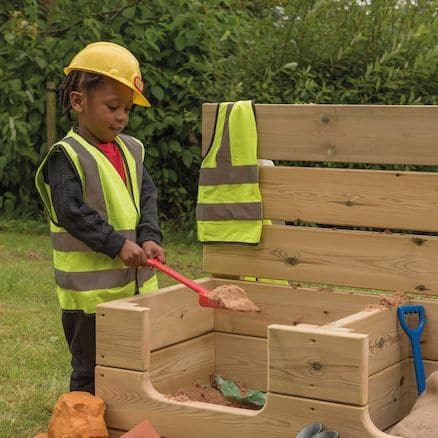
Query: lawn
{"points": [[35, 362]]}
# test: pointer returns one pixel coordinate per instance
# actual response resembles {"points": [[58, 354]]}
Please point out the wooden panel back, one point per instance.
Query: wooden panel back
{"points": [[342, 133], [287, 305], [367, 198], [342, 197], [353, 258]]}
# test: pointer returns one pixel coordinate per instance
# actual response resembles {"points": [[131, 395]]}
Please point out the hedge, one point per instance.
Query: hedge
{"points": [[191, 52]]}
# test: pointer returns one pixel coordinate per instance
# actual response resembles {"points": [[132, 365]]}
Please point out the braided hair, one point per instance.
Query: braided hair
{"points": [[76, 81]]}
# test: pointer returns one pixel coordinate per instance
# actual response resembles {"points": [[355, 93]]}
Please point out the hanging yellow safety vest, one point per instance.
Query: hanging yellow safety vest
{"points": [[229, 208], [85, 278]]}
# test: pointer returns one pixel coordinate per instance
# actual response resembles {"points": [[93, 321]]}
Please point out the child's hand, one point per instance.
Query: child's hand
{"points": [[132, 255], [154, 251]]}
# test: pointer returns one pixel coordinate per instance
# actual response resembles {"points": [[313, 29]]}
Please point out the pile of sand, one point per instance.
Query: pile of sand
{"points": [[232, 297], [388, 302]]}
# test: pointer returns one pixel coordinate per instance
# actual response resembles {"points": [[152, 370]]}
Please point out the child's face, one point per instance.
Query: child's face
{"points": [[104, 111]]}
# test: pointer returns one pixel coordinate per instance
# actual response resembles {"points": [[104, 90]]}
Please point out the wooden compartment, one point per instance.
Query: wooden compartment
{"points": [[316, 352]]}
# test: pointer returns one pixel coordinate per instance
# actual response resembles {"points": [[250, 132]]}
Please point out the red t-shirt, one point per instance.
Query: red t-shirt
{"points": [[113, 154]]}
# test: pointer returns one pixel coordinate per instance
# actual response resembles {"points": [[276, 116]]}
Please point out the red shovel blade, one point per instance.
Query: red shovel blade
{"points": [[204, 301]]}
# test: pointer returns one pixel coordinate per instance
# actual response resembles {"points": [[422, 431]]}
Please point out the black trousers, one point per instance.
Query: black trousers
{"points": [[80, 333]]}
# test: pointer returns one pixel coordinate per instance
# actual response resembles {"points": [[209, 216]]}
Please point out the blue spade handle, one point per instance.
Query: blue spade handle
{"points": [[414, 335]]}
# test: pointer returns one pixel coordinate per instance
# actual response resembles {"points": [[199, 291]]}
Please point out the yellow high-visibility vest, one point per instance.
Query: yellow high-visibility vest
{"points": [[229, 207], [86, 278]]}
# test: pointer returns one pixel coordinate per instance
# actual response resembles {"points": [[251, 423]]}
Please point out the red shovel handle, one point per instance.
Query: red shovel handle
{"points": [[177, 276]]}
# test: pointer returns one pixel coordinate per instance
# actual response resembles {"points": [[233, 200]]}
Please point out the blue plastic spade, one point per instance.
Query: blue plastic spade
{"points": [[414, 335]]}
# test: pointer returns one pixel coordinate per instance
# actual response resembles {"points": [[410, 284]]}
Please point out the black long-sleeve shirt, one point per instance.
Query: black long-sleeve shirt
{"points": [[85, 223]]}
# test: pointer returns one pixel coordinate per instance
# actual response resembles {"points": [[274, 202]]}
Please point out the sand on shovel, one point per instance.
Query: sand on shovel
{"points": [[232, 297]]}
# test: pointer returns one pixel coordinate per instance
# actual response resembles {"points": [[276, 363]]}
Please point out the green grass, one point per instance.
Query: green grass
{"points": [[35, 361]]}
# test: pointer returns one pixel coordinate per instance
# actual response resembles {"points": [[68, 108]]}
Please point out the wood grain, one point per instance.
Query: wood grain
{"points": [[429, 337], [130, 398], [181, 365], [389, 394], [175, 315], [242, 358], [342, 133], [335, 257], [290, 305], [429, 368], [368, 198], [318, 363], [387, 342], [122, 335]]}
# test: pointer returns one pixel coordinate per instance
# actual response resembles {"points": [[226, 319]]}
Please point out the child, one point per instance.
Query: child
{"points": [[100, 199]]}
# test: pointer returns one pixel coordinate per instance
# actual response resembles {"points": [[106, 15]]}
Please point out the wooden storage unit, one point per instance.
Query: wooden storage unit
{"points": [[316, 351]]}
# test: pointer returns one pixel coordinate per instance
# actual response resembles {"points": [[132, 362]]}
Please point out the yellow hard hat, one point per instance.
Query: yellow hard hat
{"points": [[114, 61]]}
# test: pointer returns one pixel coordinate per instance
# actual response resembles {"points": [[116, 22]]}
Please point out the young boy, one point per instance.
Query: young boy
{"points": [[100, 199]]}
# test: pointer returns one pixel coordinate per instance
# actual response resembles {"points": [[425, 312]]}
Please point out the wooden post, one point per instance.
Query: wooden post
{"points": [[51, 89], [51, 113]]}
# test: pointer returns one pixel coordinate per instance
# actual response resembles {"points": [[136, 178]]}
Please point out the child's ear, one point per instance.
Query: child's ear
{"points": [[77, 101]]}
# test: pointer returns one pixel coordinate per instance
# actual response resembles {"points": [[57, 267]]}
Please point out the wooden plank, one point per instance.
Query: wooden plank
{"points": [[242, 358], [429, 368], [387, 342], [181, 365], [175, 314], [289, 305], [318, 363], [328, 256], [122, 335], [369, 198], [342, 133], [389, 394], [130, 399], [429, 337]]}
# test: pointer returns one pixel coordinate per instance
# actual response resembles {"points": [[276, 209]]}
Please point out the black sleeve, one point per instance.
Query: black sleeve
{"points": [[73, 213], [148, 227]]}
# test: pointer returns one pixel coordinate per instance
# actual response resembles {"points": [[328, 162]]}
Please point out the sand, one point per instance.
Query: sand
{"points": [[208, 393], [232, 297], [388, 302]]}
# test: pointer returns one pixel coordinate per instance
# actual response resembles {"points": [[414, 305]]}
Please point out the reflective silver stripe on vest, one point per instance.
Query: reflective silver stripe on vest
{"points": [[136, 151], [85, 281], [237, 211], [225, 172], [93, 186], [144, 274], [66, 242], [228, 175]]}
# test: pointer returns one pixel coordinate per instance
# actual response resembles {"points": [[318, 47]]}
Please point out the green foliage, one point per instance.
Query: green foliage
{"points": [[195, 51]]}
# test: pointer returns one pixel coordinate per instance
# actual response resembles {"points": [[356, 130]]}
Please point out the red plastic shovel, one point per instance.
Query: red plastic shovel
{"points": [[204, 300]]}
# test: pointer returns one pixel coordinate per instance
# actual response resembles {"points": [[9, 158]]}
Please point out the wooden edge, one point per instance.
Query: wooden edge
{"points": [[175, 315], [430, 366], [389, 394], [315, 362], [122, 335], [288, 305], [387, 342], [131, 398], [429, 339], [180, 365], [355, 318]]}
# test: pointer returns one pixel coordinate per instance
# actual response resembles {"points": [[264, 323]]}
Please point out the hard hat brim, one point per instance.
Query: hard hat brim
{"points": [[139, 99]]}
